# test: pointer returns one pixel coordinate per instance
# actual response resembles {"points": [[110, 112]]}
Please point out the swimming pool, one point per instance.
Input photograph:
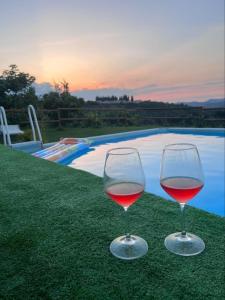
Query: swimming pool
{"points": [[150, 144]]}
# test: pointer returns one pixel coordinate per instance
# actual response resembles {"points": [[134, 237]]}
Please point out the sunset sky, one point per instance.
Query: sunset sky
{"points": [[169, 50]]}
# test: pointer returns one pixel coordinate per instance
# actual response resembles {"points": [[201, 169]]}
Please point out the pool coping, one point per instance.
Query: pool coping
{"points": [[109, 137], [98, 139]]}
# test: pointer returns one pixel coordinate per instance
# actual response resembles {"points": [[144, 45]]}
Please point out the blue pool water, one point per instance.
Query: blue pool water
{"points": [[150, 146]]}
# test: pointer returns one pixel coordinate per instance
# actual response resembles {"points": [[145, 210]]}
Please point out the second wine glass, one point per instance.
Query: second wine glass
{"points": [[124, 183], [182, 178]]}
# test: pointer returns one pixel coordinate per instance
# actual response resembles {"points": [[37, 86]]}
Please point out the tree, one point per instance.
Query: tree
{"points": [[15, 88], [54, 100], [65, 86], [57, 87], [124, 99], [61, 87], [14, 82]]}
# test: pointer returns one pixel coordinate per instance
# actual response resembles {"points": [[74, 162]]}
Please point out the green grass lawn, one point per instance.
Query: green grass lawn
{"points": [[56, 227]]}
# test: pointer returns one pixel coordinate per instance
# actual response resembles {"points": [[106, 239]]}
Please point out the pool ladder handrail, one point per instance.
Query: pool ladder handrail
{"points": [[33, 121], [4, 126]]}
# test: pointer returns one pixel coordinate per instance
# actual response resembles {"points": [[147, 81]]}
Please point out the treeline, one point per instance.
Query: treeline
{"points": [[115, 99]]}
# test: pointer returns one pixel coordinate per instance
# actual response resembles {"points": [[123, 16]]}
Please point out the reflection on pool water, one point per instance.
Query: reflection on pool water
{"points": [[211, 149]]}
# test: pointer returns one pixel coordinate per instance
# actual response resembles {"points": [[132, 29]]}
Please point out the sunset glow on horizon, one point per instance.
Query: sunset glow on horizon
{"points": [[159, 50]]}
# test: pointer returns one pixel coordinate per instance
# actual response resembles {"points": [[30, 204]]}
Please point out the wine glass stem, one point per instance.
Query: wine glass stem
{"points": [[126, 218], [127, 236], [182, 207]]}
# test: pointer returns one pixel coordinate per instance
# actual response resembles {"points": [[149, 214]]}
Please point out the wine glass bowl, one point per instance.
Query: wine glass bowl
{"points": [[182, 178], [124, 183]]}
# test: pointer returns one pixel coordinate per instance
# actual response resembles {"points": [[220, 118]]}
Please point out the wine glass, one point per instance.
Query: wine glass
{"points": [[124, 183], [182, 178]]}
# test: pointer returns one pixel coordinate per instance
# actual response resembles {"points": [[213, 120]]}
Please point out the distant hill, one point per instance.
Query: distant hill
{"points": [[211, 103]]}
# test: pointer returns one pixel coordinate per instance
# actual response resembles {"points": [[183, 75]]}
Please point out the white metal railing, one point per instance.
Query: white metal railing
{"points": [[4, 127], [34, 123]]}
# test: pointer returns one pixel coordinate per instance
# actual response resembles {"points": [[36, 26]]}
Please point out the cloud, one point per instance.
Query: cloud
{"points": [[202, 90], [42, 88], [215, 83]]}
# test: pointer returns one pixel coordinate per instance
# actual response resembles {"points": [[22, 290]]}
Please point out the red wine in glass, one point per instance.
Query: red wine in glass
{"points": [[125, 193], [182, 189]]}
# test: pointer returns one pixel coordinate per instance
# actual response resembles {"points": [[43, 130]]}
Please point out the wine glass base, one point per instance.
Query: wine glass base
{"points": [[129, 248], [185, 245]]}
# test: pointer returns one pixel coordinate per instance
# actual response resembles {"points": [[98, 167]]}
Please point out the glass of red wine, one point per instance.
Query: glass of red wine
{"points": [[124, 183], [182, 178]]}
